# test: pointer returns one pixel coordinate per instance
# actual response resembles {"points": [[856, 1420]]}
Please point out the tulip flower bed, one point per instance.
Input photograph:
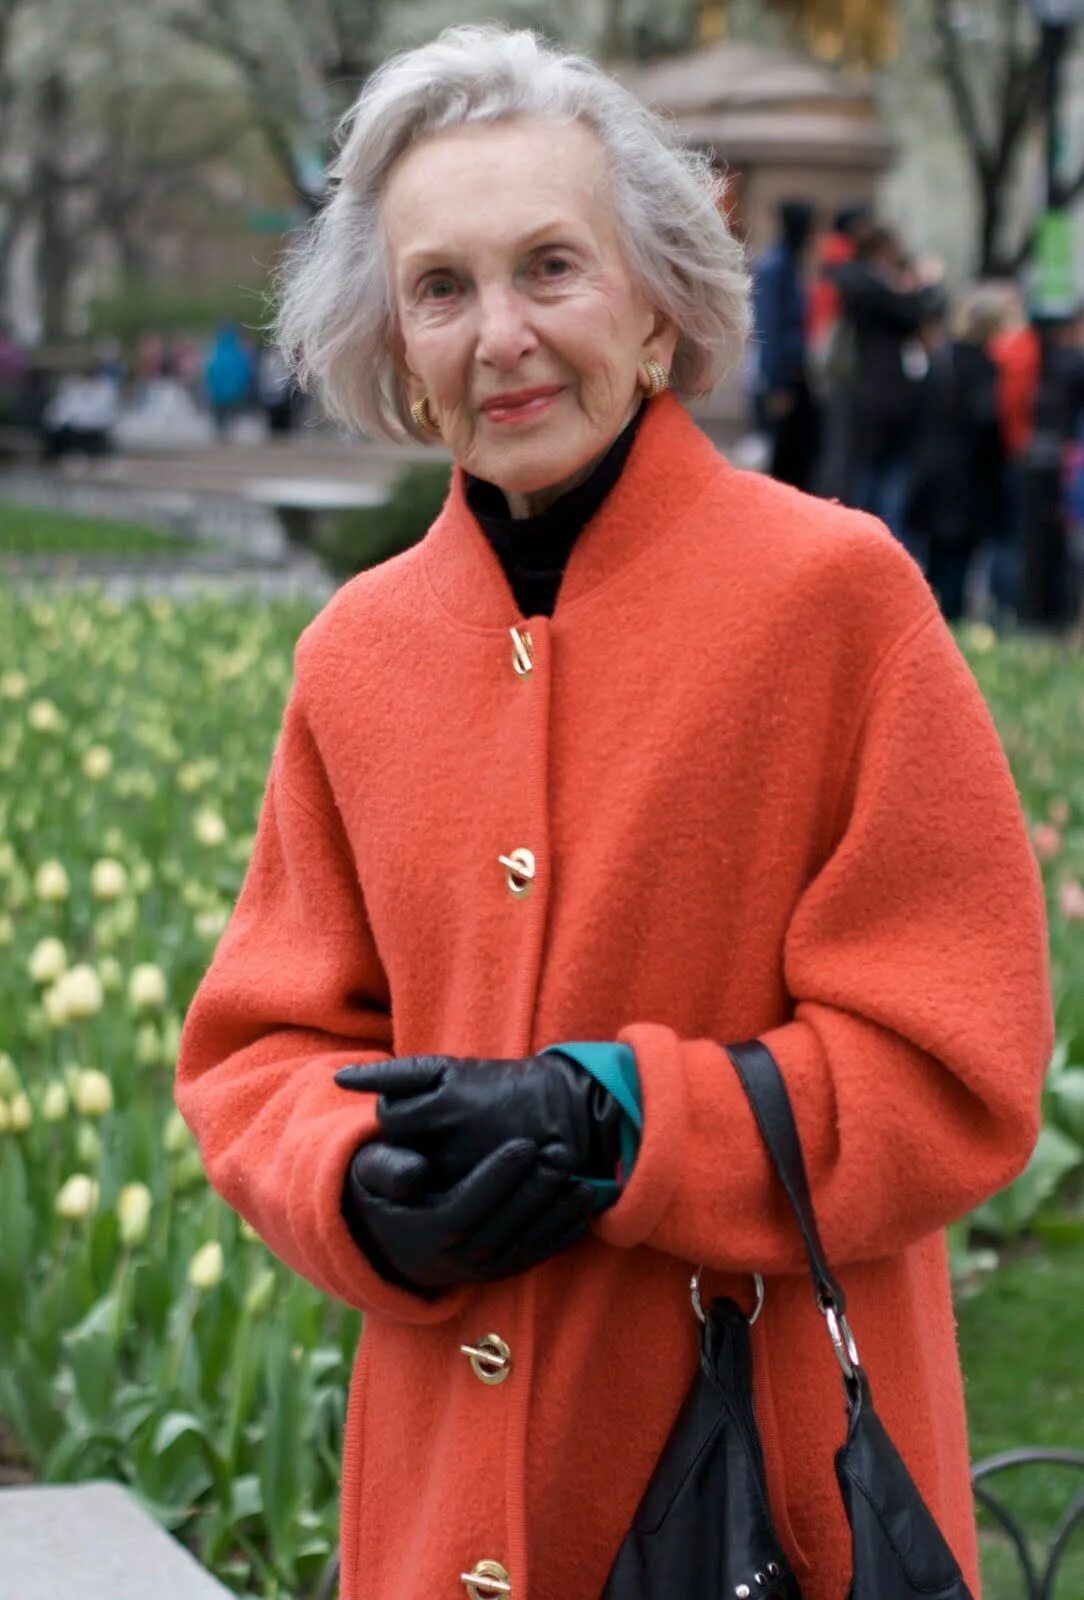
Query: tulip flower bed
{"points": [[144, 1335]]}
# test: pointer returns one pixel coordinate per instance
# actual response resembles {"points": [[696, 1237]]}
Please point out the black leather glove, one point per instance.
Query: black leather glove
{"points": [[510, 1213], [453, 1112]]}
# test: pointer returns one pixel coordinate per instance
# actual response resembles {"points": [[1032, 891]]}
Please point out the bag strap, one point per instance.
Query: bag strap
{"points": [[760, 1077]]}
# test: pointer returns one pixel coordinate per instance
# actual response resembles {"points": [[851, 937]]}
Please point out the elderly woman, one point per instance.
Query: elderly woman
{"points": [[633, 755]]}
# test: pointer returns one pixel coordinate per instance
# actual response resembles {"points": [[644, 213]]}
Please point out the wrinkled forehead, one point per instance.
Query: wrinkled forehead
{"points": [[493, 184]]}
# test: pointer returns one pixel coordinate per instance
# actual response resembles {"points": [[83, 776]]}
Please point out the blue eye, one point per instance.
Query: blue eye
{"points": [[437, 284]]}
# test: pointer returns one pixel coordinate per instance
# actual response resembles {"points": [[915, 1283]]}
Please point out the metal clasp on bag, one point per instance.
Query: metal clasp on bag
{"points": [[839, 1331], [698, 1306]]}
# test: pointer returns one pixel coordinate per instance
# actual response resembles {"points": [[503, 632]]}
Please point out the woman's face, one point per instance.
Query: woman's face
{"points": [[517, 314]]}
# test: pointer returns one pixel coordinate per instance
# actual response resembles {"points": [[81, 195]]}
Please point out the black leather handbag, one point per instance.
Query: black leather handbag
{"points": [[703, 1529]]}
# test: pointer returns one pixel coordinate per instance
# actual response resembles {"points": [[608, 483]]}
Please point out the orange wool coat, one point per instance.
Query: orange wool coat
{"points": [[764, 798]]}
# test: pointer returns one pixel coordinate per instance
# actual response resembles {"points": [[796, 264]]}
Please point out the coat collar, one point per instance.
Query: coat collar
{"points": [[669, 466]]}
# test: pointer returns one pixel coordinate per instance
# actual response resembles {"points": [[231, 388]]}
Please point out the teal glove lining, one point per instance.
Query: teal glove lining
{"points": [[614, 1066]]}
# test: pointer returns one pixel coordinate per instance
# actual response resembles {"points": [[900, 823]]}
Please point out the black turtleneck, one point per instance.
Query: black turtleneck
{"points": [[534, 551]]}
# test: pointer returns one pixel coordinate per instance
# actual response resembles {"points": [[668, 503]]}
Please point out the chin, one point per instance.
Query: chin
{"points": [[532, 468]]}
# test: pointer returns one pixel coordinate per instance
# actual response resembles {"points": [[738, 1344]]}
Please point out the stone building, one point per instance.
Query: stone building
{"points": [[779, 124]]}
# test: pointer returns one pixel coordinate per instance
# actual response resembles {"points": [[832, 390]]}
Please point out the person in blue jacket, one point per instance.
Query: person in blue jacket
{"points": [[783, 400], [228, 377]]}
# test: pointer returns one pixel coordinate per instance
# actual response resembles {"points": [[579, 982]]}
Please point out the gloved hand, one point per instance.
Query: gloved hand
{"points": [[511, 1212], [453, 1112]]}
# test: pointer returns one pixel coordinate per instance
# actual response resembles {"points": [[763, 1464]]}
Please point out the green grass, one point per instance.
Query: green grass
{"points": [[1022, 1344], [39, 531]]}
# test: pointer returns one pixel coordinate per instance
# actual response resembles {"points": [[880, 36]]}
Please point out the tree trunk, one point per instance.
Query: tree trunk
{"points": [[992, 261], [54, 258]]}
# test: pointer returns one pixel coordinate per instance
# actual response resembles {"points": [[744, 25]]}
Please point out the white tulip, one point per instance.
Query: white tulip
{"points": [[54, 1103], [48, 960], [20, 1113], [111, 973], [43, 716], [51, 881], [88, 1146], [78, 1198], [10, 1082], [211, 924], [93, 1093], [134, 1212], [148, 1048], [146, 986], [176, 1138], [206, 1266], [13, 685], [108, 879], [81, 992], [97, 762], [54, 1007], [260, 1293], [209, 828]]}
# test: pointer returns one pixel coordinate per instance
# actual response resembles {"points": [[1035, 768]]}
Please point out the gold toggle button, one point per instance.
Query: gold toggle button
{"points": [[487, 1580], [490, 1358], [520, 870], [522, 652]]}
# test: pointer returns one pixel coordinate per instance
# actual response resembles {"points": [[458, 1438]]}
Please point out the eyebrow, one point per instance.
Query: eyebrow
{"points": [[418, 255]]}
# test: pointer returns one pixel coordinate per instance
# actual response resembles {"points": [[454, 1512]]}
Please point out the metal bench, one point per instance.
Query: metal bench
{"points": [[300, 503], [1037, 1583]]}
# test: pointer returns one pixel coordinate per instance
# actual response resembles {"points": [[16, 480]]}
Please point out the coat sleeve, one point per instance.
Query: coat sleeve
{"points": [[920, 1025], [295, 990]]}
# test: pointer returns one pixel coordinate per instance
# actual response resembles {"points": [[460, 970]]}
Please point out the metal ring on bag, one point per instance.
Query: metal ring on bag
{"points": [[698, 1307]]}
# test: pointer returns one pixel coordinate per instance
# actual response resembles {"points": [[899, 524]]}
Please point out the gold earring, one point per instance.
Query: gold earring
{"points": [[423, 419], [654, 378]]}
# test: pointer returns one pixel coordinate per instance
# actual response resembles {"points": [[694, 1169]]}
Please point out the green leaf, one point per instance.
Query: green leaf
{"points": [[173, 1426], [133, 1405], [325, 1362], [1067, 1102], [79, 1456], [91, 1349], [246, 1497], [1060, 1232], [1011, 1211], [18, 1229], [280, 1478], [31, 1405]]}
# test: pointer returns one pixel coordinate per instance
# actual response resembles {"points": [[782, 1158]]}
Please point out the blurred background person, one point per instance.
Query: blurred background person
{"points": [[14, 369], [783, 401], [80, 418], [830, 344], [887, 305], [228, 378], [958, 498], [276, 391]]}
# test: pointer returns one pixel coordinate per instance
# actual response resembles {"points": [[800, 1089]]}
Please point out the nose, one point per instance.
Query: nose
{"points": [[505, 335]]}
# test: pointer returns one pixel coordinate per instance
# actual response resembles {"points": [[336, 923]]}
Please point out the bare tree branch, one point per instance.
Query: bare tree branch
{"points": [[219, 30], [959, 87]]}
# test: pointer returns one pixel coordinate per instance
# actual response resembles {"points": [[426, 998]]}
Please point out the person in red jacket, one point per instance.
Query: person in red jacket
{"points": [[634, 754]]}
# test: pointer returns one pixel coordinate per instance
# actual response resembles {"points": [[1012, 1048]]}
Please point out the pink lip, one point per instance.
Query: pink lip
{"points": [[521, 407]]}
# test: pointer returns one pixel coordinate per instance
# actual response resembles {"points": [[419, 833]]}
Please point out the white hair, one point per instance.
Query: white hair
{"points": [[336, 316]]}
